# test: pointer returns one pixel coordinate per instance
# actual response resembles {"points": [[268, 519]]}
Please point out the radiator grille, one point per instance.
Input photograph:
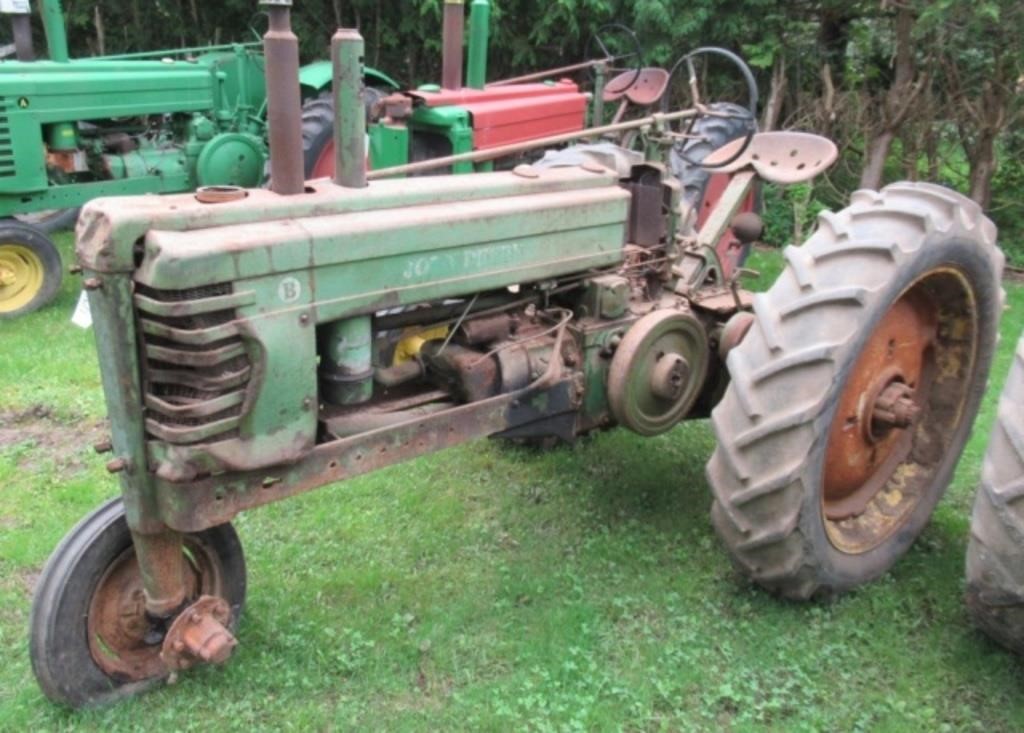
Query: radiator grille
{"points": [[7, 168], [195, 365]]}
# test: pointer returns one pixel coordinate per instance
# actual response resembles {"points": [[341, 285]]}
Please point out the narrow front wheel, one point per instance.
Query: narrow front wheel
{"points": [[92, 642]]}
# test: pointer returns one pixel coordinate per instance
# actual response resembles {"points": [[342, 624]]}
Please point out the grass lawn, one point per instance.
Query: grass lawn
{"points": [[495, 588]]}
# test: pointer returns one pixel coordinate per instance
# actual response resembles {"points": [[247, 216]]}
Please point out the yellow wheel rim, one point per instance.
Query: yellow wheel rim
{"points": [[21, 277]]}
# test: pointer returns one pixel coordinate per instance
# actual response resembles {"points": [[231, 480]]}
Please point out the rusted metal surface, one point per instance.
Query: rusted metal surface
{"points": [[779, 157], [199, 635], [642, 89], [658, 371], [117, 624], [349, 130], [162, 563], [558, 71], [869, 436], [207, 502], [747, 226], [220, 194], [501, 151], [646, 224], [478, 331], [467, 372], [124, 637], [453, 31], [284, 102], [894, 408], [396, 107], [733, 333]]}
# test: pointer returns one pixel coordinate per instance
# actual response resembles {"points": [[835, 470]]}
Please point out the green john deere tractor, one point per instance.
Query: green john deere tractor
{"points": [[72, 130], [244, 344]]}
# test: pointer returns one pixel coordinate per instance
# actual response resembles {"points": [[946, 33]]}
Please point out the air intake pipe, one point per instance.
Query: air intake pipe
{"points": [[347, 53], [451, 42]]}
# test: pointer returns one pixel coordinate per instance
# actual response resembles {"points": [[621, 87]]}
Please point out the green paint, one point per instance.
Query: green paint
{"points": [[350, 134], [346, 367], [56, 34], [318, 265], [479, 28], [42, 102]]}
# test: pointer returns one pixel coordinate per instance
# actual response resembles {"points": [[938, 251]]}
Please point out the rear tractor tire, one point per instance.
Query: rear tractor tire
{"points": [[30, 269], [995, 552], [51, 220], [854, 392]]}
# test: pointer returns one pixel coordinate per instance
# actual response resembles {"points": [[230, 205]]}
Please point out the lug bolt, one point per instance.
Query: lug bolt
{"points": [[93, 283]]}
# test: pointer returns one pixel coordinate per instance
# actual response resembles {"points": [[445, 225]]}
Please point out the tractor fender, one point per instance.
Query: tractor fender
{"points": [[316, 77]]}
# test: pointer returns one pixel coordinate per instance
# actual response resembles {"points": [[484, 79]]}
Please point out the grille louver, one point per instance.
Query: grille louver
{"points": [[195, 365], [7, 167]]}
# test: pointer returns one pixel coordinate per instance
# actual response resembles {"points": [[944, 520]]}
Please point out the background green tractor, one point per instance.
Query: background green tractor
{"points": [[156, 122]]}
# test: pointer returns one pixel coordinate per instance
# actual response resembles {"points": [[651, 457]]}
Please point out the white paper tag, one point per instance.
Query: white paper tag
{"points": [[16, 7], [82, 317]]}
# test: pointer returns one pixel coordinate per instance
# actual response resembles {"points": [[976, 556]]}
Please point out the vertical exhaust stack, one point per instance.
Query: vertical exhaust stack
{"points": [[347, 54], [452, 33], [479, 31], [21, 27], [284, 101]]}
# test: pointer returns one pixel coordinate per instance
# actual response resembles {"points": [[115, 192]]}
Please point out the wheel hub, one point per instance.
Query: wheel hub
{"points": [[872, 432], [21, 276], [125, 641], [669, 376], [894, 408]]}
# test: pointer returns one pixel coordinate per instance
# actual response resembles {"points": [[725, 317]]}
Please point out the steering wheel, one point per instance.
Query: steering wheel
{"points": [[686, 65], [617, 43]]}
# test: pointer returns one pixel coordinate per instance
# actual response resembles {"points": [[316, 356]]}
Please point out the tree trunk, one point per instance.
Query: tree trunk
{"points": [[983, 169], [874, 162], [899, 100], [101, 36], [777, 94]]}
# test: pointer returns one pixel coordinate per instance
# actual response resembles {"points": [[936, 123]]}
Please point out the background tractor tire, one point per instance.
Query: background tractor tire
{"points": [[780, 419], [995, 552], [318, 131], [30, 269], [712, 133], [701, 186], [53, 220]]}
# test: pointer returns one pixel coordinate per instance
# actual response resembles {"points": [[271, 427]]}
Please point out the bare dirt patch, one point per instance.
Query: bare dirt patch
{"points": [[53, 439]]}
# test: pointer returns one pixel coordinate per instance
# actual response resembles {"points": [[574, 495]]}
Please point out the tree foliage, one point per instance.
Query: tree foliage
{"points": [[908, 88]]}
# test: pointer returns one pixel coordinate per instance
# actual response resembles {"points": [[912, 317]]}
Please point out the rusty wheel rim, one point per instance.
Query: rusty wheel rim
{"points": [[897, 411], [117, 621]]}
